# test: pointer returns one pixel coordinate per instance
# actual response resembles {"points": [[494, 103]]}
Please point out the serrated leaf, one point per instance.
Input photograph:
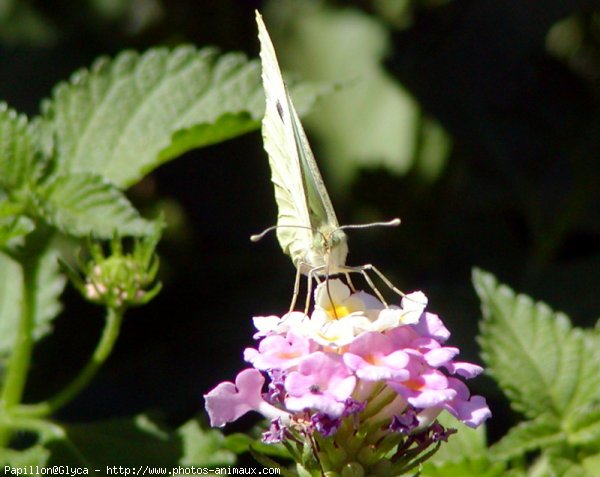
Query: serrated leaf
{"points": [[18, 151], [557, 465], [124, 117], [50, 284], [583, 427], [225, 127], [83, 204], [528, 436], [13, 229], [541, 362]]}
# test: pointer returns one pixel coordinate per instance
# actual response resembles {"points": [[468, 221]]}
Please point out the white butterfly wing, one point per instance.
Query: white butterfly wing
{"points": [[306, 215]]}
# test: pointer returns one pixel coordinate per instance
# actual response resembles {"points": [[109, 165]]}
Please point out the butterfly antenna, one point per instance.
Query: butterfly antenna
{"points": [[391, 223], [257, 237]]}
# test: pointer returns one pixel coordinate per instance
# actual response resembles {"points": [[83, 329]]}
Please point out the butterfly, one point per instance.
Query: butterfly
{"points": [[307, 227]]}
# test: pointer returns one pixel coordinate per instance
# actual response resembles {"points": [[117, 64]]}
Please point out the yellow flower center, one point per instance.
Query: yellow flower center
{"points": [[338, 311]]}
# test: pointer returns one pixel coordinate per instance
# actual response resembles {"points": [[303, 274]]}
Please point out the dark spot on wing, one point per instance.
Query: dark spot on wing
{"points": [[280, 110]]}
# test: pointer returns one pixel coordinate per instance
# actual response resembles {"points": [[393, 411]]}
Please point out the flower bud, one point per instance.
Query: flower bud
{"points": [[118, 279]]}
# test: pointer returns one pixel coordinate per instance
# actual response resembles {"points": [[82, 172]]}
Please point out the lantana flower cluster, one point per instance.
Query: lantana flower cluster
{"points": [[359, 382]]}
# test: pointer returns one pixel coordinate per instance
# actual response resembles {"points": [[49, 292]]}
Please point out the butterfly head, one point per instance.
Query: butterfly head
{"points": [[330, 247]]}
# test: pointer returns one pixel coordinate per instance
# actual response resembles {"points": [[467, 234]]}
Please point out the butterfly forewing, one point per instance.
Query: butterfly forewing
{"points": [[305, 210], [280, 145]]}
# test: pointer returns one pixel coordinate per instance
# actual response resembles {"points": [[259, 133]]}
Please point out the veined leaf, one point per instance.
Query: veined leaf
{"points": [[528, 436], [584, 426], [557, 464], [124, 117], [117, 117], [18, 151], [225, 127], [13, 229], [81, 204], [50, 284], [543, 364]]}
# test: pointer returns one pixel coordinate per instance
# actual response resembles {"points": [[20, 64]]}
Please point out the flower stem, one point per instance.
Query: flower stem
{"points": [[18, 365], [114, 318]]}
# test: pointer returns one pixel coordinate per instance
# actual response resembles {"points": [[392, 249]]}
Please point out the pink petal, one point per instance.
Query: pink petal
{"points": [[440, 356], [431, 326], [227, 402], [472, 412], [466, 370]]}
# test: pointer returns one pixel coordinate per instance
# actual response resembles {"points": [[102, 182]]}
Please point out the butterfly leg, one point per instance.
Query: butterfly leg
{"points": [[364, 273], [296, 287], [349, 280], [384, 279], [309, 283], [313, 274]]}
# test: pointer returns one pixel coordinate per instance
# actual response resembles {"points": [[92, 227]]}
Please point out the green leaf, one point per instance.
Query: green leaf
{"points": [[124, 117], [527, 436], [543, 364], [556, 464], [583, 427], [240, 443], [13, 229], [225, 127], [127, 442], [139, 441], [82, 204], [465, 467], [50, 284], [203, 447], [466, 442], [18, 151], [372, 121]]}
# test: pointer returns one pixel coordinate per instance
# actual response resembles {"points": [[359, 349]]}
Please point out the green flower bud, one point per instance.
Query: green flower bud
{"points": [[353, 469], [119, 279]]}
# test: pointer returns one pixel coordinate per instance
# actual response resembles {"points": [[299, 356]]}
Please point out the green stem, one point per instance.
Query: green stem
{"points": [[19, 361], [103, 349], [18, 365]]}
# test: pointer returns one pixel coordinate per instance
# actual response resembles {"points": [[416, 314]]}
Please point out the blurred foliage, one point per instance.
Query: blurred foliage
{"points": [[372, 120], [513, 86]]}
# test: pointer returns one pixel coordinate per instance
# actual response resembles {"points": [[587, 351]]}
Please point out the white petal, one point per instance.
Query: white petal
{"points": [[334, 289], [413, 306]]}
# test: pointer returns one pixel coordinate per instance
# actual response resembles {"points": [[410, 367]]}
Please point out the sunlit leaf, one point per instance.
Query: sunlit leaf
{"points": [[124, 117], [18, 150], [528, 436], [543, 364], [81, 204]]}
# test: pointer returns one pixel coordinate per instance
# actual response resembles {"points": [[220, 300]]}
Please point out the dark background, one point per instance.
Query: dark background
{"points": [[518, 194]]}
